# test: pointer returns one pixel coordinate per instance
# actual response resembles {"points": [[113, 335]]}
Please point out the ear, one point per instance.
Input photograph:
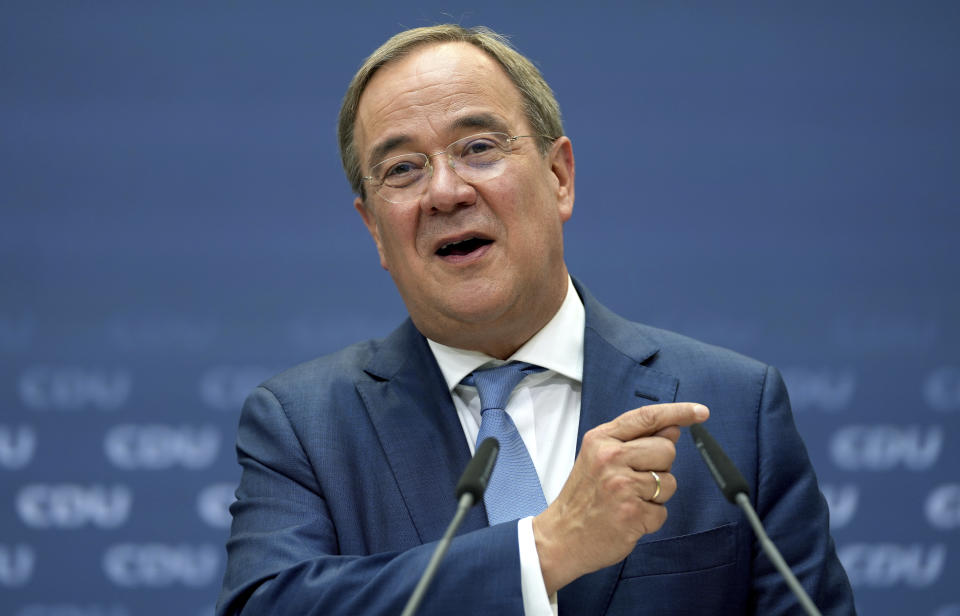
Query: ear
{"points": [[370, 220], [563, 169]]}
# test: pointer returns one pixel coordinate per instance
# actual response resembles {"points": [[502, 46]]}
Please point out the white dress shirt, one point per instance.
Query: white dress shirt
{"points": [[546, 410]]}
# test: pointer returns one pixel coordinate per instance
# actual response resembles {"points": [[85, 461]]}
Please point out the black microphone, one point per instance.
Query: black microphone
{"points": [[737, 491], [470, 489], [477, 474], [724, 472]]}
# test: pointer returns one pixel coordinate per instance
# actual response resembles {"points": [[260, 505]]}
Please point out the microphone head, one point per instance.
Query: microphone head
{"points": [[724, 472], [477, 474]]}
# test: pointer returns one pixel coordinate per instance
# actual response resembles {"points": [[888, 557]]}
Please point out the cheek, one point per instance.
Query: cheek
{"points": [[398, 234], [526, 207], [528, 186]]}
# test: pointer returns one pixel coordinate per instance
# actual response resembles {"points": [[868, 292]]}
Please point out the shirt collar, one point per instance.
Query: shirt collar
{"points": [[558, 346]]}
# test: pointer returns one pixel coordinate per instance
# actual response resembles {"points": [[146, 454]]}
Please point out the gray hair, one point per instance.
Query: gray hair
{"points": [[540, 106]]}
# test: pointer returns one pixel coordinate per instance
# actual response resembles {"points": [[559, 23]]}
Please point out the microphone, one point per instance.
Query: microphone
{"points": [[736, 490], [470, 489], [724, 472], [477, 474]]}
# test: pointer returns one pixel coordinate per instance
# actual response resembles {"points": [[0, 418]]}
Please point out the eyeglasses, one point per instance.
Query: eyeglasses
{"points": [[477, 158]]}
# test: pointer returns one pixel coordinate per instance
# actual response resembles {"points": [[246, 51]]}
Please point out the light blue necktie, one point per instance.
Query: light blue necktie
{"points": [[514, 490]]}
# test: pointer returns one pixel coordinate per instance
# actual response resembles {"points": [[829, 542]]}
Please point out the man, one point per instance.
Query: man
{"points": [[454, 145]]}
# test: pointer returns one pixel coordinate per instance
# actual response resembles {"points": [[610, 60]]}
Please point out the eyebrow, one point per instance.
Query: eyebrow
{"points": [[482, 121], [486, 121], [378, 153]]}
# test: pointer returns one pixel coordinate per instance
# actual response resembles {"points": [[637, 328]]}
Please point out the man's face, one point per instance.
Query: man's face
{"points": [[507, 278]]}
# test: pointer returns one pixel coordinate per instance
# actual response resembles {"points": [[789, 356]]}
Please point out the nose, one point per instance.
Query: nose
{"points": [[446, 190]]}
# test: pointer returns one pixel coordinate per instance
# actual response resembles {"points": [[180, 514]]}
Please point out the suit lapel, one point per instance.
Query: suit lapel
{"points": [[615, 380], [416, 422]]}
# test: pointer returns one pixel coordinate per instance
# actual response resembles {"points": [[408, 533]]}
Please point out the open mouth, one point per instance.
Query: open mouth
{"points": [[463, 247]]}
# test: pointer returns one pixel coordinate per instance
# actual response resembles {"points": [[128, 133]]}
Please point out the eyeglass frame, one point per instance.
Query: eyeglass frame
{"points": [[510, 139]]}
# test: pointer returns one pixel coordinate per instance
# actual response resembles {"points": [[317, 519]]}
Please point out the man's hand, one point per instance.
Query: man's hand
{"points": [[606, 504]]}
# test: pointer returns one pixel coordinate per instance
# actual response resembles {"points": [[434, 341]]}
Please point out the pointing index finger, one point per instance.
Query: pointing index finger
{"points": [[648, 420]]}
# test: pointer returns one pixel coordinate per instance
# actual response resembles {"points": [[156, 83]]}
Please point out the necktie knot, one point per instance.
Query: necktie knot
{"points": [[494, 385]]}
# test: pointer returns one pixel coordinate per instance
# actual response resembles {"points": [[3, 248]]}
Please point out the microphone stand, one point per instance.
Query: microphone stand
{"points": [[736, 490], [774, 555], [470, 489], [466, 502]]}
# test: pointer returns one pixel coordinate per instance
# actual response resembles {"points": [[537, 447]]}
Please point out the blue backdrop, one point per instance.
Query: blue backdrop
{"points": [[779, 178]]}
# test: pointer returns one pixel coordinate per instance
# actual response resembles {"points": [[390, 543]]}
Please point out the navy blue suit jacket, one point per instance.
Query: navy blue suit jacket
{"points": [[350, 463]]}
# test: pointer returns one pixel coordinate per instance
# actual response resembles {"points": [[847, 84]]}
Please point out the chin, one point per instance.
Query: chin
{"points": [[470, 310]]}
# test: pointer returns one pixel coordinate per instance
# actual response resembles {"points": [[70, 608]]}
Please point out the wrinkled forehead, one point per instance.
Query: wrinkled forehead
{"points": [[435, 92]]}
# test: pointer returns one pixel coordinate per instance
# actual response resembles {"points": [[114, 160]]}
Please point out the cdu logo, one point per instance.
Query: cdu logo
{"points": [[155, 447], [826, 389], [883, 447], [884, 565], [16, 565], [213, 504], [70, 506], [16, 446], [941, 389], [224, 388], [943, 507], [842, 501], [155, 565], [72, 388]]}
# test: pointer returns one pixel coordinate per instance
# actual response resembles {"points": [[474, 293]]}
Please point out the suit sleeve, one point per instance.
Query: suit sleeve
{"points": [[283, 555], [795, 514]]}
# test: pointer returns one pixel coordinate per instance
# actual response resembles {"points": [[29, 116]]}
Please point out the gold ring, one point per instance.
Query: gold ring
{"points": [[657, 493]]}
